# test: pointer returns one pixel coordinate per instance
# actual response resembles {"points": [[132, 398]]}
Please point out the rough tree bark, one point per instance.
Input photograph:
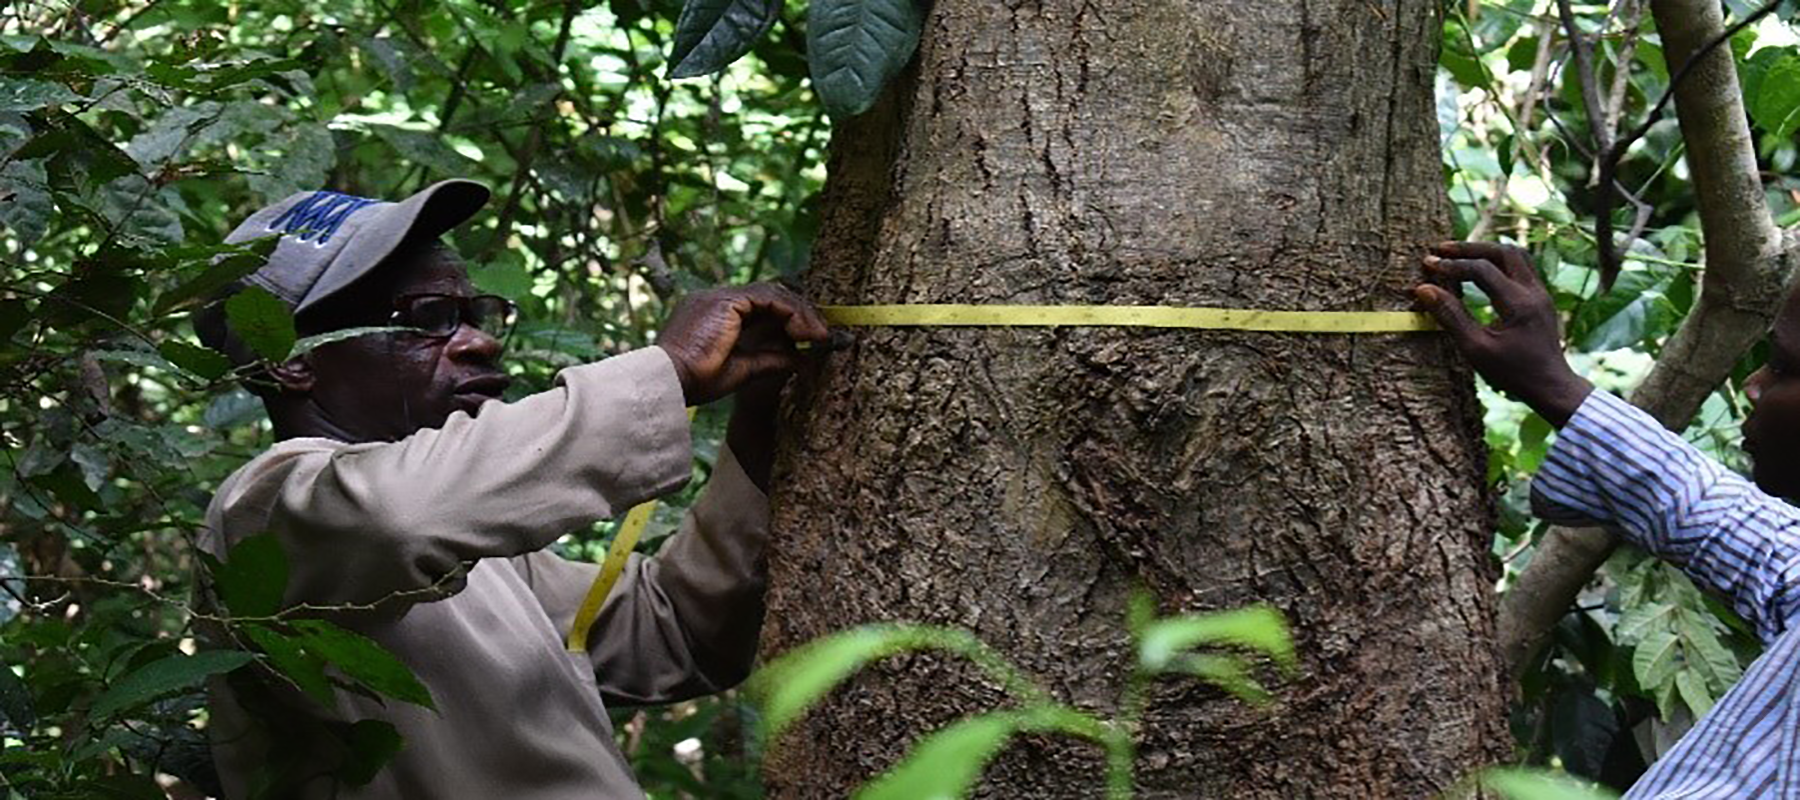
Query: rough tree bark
{"points": [[1021, 482], [1748, 262]]}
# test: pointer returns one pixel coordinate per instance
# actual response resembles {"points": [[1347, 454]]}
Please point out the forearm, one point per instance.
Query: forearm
{"points": [[362, 522], [686, 621], [1614, 465]]}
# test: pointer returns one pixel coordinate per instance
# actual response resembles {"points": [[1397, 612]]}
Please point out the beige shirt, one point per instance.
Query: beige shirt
{"points": [[517, 716]]}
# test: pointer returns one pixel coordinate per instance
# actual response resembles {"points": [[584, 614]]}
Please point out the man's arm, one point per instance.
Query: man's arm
{"points": [[1612, 464], [684, 622], [360, 523]]}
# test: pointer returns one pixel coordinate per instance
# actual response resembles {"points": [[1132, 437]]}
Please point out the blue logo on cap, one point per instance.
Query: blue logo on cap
{"points": [[318, 216]]}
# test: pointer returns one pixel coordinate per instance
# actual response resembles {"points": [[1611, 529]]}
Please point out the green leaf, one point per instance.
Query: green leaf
{"points": [[947, 763], [1707, 656], [198, 360], [316, 340], [363, 661], [253, 577], [1226, 672], [506, 277], [1528, 784], [263, 322], [791, 684], [713, 33], [854, 47], [1653, 662], [161, 677], [426, 149], [30, 94], [1694, 693], [16, 707], [372, 743], [1640, 621], [66, 484], [1776, 107], [1258, 628], [287, 657], [216, 277]]}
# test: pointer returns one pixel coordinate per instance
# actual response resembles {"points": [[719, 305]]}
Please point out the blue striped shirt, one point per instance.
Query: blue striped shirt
{"points": [[1613, 465]]}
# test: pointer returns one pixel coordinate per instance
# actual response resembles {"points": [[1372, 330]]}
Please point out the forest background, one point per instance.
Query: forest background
{"points": [[135, 134]]}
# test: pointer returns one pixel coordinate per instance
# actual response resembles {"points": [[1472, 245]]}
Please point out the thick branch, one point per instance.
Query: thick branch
{"points": [[1748, 263]]}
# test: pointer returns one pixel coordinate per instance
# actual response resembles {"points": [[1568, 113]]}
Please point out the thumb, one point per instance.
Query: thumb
{"points": [[1448, 311]]}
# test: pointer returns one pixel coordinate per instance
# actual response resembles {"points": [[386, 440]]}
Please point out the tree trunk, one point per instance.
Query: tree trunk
{"points": [[1020, 482]]}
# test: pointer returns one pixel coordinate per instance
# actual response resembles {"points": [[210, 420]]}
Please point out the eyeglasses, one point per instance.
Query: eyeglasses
{"points": [[437, 316]]}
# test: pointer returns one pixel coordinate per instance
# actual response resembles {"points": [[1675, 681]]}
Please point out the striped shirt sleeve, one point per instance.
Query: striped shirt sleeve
{"points": [[1614, 465]]}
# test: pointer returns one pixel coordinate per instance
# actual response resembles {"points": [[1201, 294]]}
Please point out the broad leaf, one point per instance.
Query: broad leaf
{"points": [[161, 677], [1694, 693], [1654, 660], [1525, 784], [30, 94], [287, 657], [791, 684], [363, 661], [854, 47], [947, 763], [202, 362], [1776, 106], [1258, 628], [713, 33], [253, 577], [372, 743], [312, 342], [263, 322]]}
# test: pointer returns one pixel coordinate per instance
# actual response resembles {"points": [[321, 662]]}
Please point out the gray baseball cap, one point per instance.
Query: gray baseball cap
{"points": [[329, 239]]}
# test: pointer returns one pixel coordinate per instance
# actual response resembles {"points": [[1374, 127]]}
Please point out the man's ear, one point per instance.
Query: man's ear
{"points": [[294, 376]]}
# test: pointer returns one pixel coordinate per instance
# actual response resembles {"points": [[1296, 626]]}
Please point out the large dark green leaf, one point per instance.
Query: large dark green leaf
{"points": [[167, 675], [854, 47], [362, 660], [253, 577], [263, 322], [713, 33], [372, 743], [286, 656]]}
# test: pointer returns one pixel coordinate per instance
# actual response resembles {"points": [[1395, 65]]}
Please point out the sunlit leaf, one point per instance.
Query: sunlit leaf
{"points": [[791, 684], [1259, 628], [1524, 784], [947, 763]]}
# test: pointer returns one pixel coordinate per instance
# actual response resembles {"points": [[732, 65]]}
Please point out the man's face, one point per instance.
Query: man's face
{"points": [[385, 387], [1772, 433]]}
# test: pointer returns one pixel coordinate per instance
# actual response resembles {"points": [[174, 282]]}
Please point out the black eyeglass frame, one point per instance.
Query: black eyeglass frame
{"points": [[465, 314]]}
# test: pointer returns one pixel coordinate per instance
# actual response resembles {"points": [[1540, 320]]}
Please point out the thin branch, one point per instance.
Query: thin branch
{"points": [[1610, 155]]}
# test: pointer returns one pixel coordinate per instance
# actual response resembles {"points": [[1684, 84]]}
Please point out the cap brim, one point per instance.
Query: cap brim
{"points": [[428, 214]]}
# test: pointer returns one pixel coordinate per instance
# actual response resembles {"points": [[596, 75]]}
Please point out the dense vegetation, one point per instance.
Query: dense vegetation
{"points": [[134, 134]]}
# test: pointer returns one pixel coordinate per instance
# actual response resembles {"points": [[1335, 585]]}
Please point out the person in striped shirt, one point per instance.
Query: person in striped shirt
{"points": [[1613, 465]]}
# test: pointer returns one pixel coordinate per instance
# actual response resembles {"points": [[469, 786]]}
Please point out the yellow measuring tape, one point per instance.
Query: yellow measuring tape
{"points": [[1226, 319], [1229, 319], [630, 531]]}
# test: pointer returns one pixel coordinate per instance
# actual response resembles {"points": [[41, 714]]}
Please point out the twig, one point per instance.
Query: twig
{"points": [[1609, 156]]}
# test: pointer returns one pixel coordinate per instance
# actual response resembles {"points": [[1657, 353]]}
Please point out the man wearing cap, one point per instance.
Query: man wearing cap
{"points": [[414, 508]]}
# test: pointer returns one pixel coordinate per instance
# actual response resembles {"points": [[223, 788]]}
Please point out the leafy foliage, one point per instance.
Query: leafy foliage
{"points": [[948, 762], [1646, 651], [134, 135]]}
